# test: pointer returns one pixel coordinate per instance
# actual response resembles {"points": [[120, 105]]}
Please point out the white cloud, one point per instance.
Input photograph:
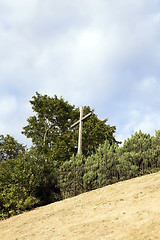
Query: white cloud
{"points": [[148, 123], [99, 53], [8, 106], [149, 86]]}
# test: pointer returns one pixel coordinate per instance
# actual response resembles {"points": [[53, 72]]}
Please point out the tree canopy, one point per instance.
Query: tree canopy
{"points": [[51, 133], [9, 147]]}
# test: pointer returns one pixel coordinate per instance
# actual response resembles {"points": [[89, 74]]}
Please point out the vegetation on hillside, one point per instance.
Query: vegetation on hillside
{"points": [[50, 170]]}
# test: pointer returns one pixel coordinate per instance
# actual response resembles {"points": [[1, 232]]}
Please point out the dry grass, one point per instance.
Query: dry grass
{"points": [[126, 210]]}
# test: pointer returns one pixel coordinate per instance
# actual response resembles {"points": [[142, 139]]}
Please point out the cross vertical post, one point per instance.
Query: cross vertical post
{"points": [[80, 131], [80, 122]]}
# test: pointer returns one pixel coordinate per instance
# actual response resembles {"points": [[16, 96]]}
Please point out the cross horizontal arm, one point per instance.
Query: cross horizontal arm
{"points": [[74, 124], [89, 114]]}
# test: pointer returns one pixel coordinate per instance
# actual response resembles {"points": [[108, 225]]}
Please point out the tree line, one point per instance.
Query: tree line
{"points": [[139, 155], [51, 170]]}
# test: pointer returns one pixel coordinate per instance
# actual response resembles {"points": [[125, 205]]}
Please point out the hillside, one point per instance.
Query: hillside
{"points": [[126, 210]]}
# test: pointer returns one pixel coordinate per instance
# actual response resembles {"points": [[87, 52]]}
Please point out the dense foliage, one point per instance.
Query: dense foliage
{"points": [[51, 169], [139, 155], [9, 148], [51, 132], [26, 182]]}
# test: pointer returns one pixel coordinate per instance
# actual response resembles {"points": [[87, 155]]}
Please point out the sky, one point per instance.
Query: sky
{"points": [[99, 53]]}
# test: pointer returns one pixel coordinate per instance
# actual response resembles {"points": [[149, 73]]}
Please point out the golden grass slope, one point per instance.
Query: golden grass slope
{"points": [[126, 210]]}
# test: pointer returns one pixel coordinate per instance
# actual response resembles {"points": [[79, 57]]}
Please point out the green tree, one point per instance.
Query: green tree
{"points": [[155, 158], [96, 132], [26, 182], [100, 168], [51, 133], [67, 179], [126, 166], [139, 144], [71, 176], [9, 148], [48, 129]]}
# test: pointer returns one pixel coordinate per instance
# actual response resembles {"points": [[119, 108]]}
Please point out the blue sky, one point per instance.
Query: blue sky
{"points": [[101, 53]]}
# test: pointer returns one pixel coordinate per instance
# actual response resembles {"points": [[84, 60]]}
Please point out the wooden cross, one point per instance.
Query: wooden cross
{"points": [[80, 122]]}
